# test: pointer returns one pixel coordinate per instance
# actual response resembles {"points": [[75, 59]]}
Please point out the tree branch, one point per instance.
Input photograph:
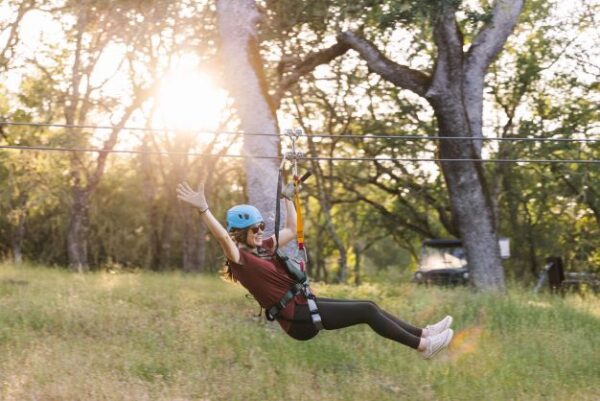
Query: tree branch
{"points": [[13, 36], [400, 75], [449, 60], [312, 61], [391, 218], [484, 49], [492, 36], [395, 219], [140, 97]]}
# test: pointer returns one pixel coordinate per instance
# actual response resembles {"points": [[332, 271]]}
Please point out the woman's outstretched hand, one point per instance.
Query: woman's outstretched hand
{"points": [[198, 200], [194, 198]]}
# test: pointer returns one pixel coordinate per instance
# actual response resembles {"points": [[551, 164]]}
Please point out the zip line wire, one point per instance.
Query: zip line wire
{"points": [[320, 158], [347, 137], [298, 134]]}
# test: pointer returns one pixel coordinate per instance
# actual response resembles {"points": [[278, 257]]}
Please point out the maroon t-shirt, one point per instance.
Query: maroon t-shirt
{"points": [[267, 280]]}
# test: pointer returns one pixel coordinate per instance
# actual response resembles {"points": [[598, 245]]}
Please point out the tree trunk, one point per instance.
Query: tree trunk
{"points": [[194, 243], [152, 212], [154, 238], [471, 205], [17, 238], [473, 210], [166, 237], [321, 269], [77, 235], [358, 249], [342, 275], [237, 21], [189, 242], [201, 252]]}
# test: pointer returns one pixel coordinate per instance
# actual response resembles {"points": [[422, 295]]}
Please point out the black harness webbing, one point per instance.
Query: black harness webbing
{"points": [[278, 204], [302, 284]]}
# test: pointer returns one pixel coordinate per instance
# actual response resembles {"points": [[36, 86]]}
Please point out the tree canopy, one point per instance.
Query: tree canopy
{"points": [[342, 71]]}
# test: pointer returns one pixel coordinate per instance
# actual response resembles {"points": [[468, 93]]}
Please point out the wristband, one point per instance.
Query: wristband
{"points": [[201, 212]]}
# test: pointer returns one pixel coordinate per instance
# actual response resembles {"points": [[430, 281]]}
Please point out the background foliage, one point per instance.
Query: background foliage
{"points": [[545, 84]]}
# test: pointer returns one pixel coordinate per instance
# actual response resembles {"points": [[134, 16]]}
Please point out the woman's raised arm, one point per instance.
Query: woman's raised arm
{"points": [[288, 233], [198, 200]]}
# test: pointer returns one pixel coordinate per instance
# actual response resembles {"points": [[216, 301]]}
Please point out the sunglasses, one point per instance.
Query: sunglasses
{"points": [[260, 226]]}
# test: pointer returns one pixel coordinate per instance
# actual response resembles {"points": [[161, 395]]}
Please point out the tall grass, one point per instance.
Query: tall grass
{"points": [[174, 337]]}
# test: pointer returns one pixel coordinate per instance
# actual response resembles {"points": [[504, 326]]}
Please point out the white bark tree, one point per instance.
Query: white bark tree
{"points": [[244, 72]]}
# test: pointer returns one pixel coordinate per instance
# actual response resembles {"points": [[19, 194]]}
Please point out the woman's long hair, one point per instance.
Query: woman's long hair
{"points": [[239, 237]]}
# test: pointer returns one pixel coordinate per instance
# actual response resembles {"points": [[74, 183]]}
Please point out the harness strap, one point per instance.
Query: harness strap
{"points": [[276, 309], [299, 219], [278, 203], [301, 285], [312, 307], [315, 318], [297, 274]]}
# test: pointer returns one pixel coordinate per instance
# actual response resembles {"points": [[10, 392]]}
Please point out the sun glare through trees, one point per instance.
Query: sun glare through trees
{"points": [[189, 100]]}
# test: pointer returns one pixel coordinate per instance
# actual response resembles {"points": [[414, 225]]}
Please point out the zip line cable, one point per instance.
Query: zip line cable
{"points": [[333, 136], [320, 158]]}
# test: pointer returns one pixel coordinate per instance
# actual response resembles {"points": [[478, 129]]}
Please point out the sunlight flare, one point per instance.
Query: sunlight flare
{"points": [[188, 100]]}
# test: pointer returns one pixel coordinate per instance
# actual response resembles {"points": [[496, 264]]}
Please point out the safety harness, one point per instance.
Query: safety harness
{"points": [[296, 267]]}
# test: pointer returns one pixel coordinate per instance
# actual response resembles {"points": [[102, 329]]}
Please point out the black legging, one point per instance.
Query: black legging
{"points": [[338, 313]]}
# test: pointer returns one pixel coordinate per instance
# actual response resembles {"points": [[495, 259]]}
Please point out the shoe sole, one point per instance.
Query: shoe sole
{"points": [[451, 320], [446, 344]]}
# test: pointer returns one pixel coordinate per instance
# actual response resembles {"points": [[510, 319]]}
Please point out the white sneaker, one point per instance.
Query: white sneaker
{"points": [[439, 327], [437, 343]]}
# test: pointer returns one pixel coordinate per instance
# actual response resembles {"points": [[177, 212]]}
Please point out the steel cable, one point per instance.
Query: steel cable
{"points": [[332, 136], [320, 158]]}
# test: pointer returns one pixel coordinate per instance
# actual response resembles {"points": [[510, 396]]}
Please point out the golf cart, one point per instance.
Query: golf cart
{"points": [[442, 262]]}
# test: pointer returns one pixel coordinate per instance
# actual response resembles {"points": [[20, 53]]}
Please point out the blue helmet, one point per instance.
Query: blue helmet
{"points": [[243, 216]]}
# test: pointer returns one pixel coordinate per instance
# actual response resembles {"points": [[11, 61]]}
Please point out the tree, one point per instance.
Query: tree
{"points": [[256, 107], [454, 90], [81, 90], [244, 71], [91, 35]]}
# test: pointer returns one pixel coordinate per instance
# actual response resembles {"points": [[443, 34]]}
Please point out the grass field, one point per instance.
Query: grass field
{"points": [[105, 336]]}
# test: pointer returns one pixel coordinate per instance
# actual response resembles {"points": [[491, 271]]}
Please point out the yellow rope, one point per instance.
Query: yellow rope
{"points": [[299, 220]]}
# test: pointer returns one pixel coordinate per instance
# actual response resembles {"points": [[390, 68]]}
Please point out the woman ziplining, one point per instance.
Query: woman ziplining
{"points": [[282, 290]]}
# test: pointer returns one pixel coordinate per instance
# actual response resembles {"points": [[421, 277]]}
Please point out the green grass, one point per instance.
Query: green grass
{"points": [[174, 337]]}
